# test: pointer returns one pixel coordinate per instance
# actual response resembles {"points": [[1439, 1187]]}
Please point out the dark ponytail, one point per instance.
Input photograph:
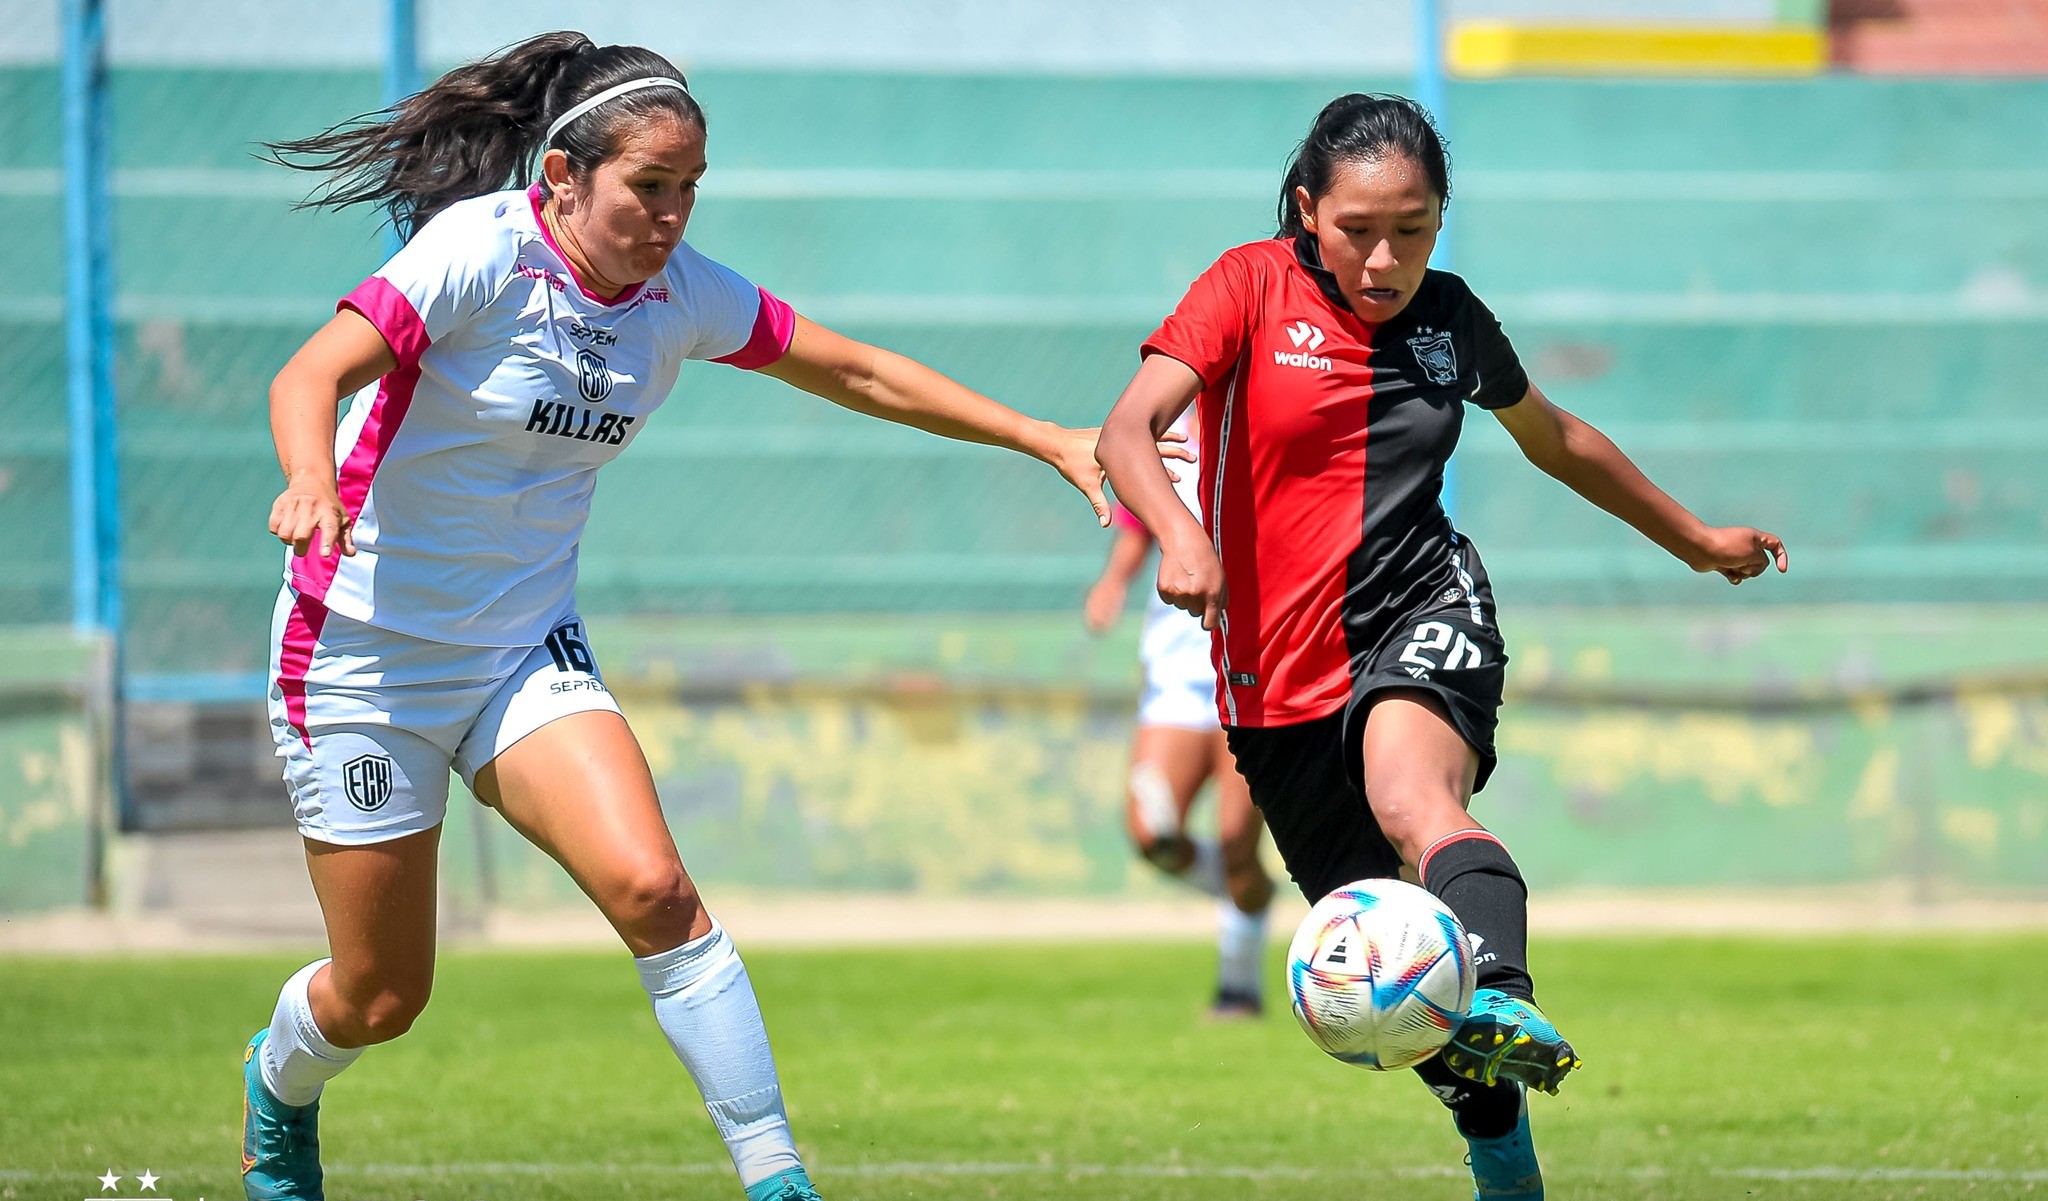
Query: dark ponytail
{"points": [[480, 127], [1361, 127]]}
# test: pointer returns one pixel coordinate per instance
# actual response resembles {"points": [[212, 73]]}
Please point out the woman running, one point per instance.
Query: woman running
{"points": [[518, 342], [1178, 747], [1359, 663]]}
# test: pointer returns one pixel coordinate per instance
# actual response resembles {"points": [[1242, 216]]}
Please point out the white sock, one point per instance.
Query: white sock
{"points": [[705, 1005], [1240, 948], [1205, 871], [297, 1059]]}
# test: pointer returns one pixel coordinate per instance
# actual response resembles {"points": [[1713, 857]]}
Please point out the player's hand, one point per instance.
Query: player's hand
{"points": [[1173, 446], [1191, 579], [1072, 454], [1741, 553], [1104, 605], [309, 518]]}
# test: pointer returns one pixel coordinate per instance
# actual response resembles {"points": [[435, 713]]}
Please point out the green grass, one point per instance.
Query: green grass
{"points": [[1715, 1068]]}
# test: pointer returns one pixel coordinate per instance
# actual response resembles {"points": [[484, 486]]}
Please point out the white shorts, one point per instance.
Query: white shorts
{"points": [[369, 722], [1180, 681]]}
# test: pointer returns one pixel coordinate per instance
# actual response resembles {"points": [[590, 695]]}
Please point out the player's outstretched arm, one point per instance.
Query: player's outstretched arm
{"points": [[344, 356], [1190, 575], [1586, 461], [879, 383]]}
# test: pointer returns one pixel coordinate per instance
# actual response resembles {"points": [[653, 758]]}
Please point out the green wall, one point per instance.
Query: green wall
{"points": [[53, 749], [1788, 747], [1775, 747]]}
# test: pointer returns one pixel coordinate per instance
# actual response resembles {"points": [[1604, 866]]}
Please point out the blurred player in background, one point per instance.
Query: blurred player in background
{"points": [[519, 341], [1359, 660], [1178, 747]]}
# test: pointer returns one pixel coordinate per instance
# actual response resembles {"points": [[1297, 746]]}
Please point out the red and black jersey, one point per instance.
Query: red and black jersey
{"points": [[1323, 446]]}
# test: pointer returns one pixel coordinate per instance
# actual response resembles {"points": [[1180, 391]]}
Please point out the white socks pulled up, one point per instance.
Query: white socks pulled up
{"points": [[705, 1005], [297, 1060]]}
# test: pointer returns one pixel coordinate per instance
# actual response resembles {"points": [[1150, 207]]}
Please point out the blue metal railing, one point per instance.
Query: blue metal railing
{"points": [[1432, 93], [401, 71]]}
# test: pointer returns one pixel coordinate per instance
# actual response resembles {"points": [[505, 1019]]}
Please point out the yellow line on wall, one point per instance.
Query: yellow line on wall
{"points": [[1490, 49]]}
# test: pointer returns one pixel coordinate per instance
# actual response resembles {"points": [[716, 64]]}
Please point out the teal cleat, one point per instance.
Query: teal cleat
{"points": [[785, 1186], [280, 1143], [1506, 1166], [1505, 1038]]}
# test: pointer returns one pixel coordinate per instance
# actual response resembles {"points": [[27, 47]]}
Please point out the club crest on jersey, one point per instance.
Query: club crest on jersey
{"points": [[592, 378], [1434, 355], [367, 780]]}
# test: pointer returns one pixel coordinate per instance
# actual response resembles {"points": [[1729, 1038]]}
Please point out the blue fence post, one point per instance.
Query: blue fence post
{"points": [[1432, 93], [96, 583], [401, 69], [85, 251]]}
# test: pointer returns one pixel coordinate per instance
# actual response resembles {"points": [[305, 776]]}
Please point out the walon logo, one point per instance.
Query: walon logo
{"points": [[1301, 333]]}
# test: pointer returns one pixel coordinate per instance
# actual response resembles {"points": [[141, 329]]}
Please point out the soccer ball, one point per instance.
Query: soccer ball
{"points": [[1380, 974]]}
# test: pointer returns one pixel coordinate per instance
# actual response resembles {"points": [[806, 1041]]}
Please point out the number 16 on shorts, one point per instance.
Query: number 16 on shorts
{"points": [[568, 649]]}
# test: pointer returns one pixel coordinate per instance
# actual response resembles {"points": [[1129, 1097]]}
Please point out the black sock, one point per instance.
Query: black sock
{"points": [[1480, 1110], [1472, 874]]}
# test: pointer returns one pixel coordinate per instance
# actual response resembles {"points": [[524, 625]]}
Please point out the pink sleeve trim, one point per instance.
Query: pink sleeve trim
{"points": [[1124, 519], [387, 308], [774, 325]]}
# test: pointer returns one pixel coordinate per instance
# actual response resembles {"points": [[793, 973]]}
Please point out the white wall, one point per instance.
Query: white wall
{"points": [[1192, 36], [1181, 36]]}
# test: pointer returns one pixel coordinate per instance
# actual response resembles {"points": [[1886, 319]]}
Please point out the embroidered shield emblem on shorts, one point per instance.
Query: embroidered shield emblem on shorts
{"points": [[367, 780], [1434, 354], [593, 378]]}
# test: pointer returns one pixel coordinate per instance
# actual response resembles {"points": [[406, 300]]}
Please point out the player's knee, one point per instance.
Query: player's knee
{"points": [[652, 897], [1414, 817], [379, 1012], [1240, 844], [1251, 890], [391, 1013]]}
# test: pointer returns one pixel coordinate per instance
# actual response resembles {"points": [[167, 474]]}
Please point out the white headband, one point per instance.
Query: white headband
{"points": [[652, 81]]}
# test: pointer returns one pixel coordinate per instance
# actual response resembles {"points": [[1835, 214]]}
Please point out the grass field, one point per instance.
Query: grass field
{"points": [[1857, 1068]]}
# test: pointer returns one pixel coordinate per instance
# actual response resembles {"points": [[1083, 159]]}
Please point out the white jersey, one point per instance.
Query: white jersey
{"points": [[469, 469], [1180, 681]]}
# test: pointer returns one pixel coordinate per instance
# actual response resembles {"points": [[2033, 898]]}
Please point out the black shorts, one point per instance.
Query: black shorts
{"points": [[1308, 779], [1454, 653]]}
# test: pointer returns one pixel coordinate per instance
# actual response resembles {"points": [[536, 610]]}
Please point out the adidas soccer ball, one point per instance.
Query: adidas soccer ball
{"points": [[1379, 974]]}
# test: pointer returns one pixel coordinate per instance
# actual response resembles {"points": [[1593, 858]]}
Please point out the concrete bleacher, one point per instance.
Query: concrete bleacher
{"points": [[1818, 306]]}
